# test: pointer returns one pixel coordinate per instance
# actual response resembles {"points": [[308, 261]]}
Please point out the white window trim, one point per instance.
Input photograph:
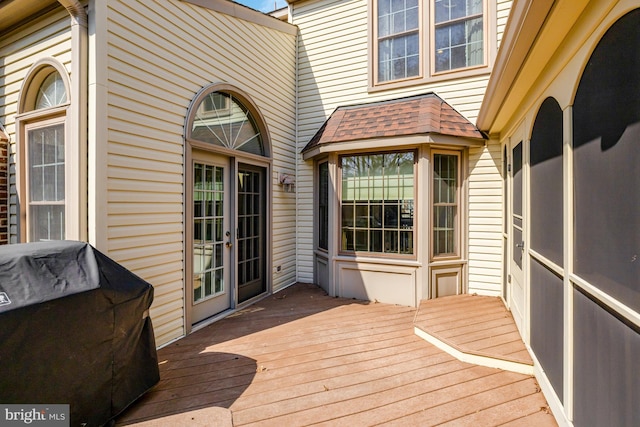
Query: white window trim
{"points": [[346, 254], [28, 118], [460, 212], [25, 166], [330, 191], [432, 42]]}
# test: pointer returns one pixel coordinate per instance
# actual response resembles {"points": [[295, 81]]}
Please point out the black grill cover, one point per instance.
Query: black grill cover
{"points": [[74, 329]]}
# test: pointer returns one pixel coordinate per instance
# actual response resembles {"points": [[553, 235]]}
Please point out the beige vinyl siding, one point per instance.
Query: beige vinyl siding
{"points": [[49, 37], [485, 220], [333, 71], [159, 55], [502, 15]]}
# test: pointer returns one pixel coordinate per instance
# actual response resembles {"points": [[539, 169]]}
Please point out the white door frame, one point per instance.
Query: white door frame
{"points": [[517, 283], [225, 300], [231, 159]]}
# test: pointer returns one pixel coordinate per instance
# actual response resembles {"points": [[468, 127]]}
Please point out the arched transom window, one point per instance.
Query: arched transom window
{"points": [[223, 119], [51, 93]]}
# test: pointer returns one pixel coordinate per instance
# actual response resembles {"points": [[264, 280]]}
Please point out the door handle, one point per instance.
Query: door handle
{"points": [[228, 244], [520, 245]]}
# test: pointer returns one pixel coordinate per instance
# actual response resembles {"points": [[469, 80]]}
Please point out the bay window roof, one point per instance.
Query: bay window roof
{"points": [[425, 114]]}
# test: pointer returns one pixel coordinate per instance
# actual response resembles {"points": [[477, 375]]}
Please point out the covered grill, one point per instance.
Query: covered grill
{"points": [[74, 329]]}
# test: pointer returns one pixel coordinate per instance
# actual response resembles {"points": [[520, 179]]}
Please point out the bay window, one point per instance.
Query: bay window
{"points": [[377, 203]]}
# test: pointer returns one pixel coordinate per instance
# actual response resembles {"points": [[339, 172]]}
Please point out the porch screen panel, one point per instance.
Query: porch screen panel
{"points": [[606, 368], [546, 182], [546, 288], [377, 203], [547, 328], [606, 124]]}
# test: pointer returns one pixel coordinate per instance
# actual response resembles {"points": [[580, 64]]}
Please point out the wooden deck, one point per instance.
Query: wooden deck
{"points": [[302, 358], [477, 329]]}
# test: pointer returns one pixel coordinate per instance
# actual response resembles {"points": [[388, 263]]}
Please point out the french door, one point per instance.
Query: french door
{"points": [[228, 234], [251, 234], [211, 236]]}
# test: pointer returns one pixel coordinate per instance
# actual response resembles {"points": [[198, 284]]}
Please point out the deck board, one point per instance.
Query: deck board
{"points": [[475, 325], [303, 358]]}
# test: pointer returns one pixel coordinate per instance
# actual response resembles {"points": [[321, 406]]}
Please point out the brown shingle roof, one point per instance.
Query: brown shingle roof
{"points": [[415, 115]]}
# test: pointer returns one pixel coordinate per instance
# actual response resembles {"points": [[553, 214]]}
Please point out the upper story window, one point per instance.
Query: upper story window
{"points": [[398, 39], [459, 34], [420, 39], [42, 167]]}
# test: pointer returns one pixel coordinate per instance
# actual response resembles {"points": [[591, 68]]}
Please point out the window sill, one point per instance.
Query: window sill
{"points": [[369, 259], [447, 262], [440, 77]]}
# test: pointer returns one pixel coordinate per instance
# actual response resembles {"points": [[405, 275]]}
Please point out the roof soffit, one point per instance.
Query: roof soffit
{"points": [[17, 12], [534, 32]]}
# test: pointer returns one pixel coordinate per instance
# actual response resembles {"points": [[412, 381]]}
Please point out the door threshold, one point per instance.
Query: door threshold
{"points": [[209, 320], [228, 312]]}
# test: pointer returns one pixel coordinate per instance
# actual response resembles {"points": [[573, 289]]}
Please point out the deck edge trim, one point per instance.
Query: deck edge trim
{"points": [[475, 359]]}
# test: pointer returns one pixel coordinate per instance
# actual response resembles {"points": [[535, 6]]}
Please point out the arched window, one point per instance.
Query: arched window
{"points": [[41, 171], [52, 92], [226, 118]]}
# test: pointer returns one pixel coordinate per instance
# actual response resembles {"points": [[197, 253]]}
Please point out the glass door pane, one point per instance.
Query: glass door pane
{"points": [[208, 239], [211, 238]]}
